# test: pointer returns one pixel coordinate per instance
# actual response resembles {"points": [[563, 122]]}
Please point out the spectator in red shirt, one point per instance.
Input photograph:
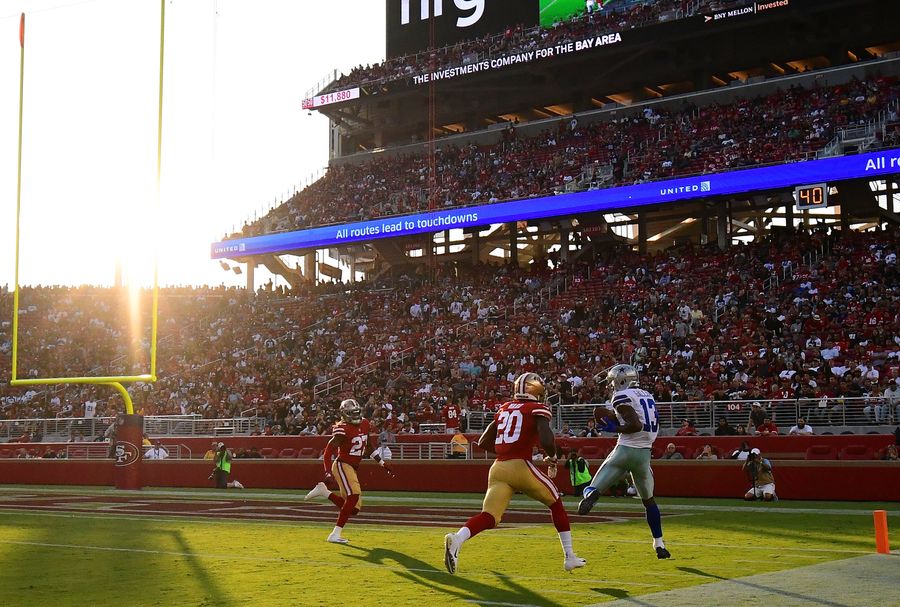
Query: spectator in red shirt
{"points": [[451, 416], [767, 428], [686, 429]]}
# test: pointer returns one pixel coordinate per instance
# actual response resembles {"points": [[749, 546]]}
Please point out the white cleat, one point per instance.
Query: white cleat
{"points": [[320, 490], [238, 485], [451, 552], [336, 539], [573, 562]]}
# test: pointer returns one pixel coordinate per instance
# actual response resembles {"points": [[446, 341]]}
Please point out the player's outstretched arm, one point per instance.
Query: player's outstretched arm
{"points": [[488, 437], [548, 444], [330, 449], [545, 436], [370, 452]]}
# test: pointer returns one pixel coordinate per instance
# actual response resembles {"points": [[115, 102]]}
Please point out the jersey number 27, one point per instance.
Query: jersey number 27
{"points": [[358, 444]]}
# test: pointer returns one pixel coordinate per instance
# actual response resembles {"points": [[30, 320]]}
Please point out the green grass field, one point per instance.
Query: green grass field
{"points": [[93, 557], [559, 9]]}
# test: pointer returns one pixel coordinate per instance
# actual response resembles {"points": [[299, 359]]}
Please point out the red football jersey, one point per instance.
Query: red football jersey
{"points": [[356, 436], [451, 416], [517, 429]]}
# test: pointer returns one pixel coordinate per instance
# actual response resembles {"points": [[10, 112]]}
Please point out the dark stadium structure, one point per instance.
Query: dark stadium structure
{"points": [[635, 61]]}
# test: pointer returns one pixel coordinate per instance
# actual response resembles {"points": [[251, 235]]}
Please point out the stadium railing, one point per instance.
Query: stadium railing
{"points": [[819, 413], [423, 450], [92, 429]]}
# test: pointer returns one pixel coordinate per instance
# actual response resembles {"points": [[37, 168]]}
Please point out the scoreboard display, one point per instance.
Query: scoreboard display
{"points": [[411, 23]]}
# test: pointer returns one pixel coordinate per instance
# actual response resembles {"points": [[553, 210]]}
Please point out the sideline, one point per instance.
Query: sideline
{"points": [[607, 504]]}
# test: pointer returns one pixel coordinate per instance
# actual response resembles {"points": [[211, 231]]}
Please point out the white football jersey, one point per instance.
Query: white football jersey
{"points": [[645, 407]]}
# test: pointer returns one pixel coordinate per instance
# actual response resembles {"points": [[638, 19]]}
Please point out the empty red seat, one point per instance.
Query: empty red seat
{"points": [[594, 452], [268, 453], [7, 453], [856, 452], [821, 452], [287, 452], [308, 453]]}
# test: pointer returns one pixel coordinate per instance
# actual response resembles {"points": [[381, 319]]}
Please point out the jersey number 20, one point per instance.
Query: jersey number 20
{"points": [[509, 427], [651, 417]]}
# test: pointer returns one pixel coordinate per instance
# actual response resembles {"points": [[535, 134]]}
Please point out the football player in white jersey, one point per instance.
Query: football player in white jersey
{"points": [[634, 417]]}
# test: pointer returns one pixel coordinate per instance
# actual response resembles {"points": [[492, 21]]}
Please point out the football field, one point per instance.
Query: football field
{"points": [[559, 9], [79, 546]]}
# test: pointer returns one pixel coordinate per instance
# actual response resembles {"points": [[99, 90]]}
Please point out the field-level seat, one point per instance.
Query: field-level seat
{"points": [[855, 452], [821, 452]]}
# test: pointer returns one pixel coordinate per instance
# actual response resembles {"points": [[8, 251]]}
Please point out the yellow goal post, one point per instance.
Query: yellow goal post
{"points": [[117, 381]]}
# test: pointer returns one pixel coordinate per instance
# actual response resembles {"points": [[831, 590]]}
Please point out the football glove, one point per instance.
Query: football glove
{"points": [[551, 466], [608, 425]]}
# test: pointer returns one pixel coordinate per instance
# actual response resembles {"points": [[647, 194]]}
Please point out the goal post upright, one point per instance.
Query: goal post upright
{"points": [[129, 435], [15, 316]]}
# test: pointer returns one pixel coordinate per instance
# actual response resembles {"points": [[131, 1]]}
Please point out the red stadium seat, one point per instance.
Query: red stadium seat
{"points": [[268, 453], [7, 453], [856, 452], [819, 452], [308, 453], [594, 452], [287, 452]]}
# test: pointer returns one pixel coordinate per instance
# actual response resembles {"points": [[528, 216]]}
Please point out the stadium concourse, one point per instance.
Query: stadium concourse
{"points": [[785, 126], [701, 324]]}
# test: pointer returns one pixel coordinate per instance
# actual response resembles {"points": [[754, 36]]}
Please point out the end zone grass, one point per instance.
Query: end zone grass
{"points": [[551, 10], [97, 557]]}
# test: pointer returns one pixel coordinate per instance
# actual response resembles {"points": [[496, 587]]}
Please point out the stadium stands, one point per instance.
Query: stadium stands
{"points": [[786, 126], [702, 324]]}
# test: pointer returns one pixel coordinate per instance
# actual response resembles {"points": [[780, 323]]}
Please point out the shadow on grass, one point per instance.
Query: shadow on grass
{"points": [[207, 582], [130, 556], [616, 593], [505, 591], [761, 587]]}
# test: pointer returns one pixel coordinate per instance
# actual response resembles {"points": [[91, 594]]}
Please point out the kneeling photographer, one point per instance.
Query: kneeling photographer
{"points": [[759, 472]]}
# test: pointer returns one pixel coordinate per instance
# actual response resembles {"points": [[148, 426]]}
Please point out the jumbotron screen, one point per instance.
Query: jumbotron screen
{"points": [[409, 21]]}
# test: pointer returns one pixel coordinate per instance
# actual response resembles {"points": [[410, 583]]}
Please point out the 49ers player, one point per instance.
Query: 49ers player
{"points": [[350, 442], [517, 427]]}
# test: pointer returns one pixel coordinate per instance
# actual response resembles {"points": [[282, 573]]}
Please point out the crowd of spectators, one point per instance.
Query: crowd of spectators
{"points": [[699, 322], [606, 18], [785, 126]]}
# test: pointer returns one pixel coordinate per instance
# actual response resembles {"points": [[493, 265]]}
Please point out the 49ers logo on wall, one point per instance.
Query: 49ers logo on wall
{"points": [[126, 453]]}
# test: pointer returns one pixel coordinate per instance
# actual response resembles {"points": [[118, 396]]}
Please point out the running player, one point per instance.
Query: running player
{"points": [[517, 427], [350, 440], [634, 417]]}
